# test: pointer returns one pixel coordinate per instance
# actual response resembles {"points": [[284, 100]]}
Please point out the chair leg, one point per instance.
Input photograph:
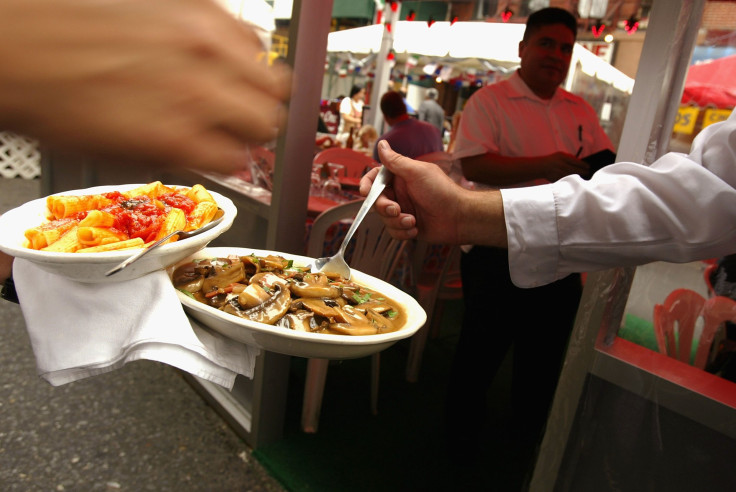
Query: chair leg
{"points": [[416, 350], [314, 388], [375, 378]]}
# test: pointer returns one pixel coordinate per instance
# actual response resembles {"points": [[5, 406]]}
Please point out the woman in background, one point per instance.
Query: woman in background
{"points": [[351, 114]]}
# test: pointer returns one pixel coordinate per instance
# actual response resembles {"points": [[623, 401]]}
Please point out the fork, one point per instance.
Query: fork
{"points": [[336, 264]]}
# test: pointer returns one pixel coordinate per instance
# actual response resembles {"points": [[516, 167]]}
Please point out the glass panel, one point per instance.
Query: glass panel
{"points": [[653, 316]]}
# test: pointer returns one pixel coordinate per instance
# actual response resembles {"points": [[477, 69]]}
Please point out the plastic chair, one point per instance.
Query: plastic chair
{"points": [[355, 164], [260, 164], [435, 278], [682, 308], [374, 252]]}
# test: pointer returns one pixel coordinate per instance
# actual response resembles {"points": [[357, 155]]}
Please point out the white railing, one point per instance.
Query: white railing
{"points": [[19, 156]]}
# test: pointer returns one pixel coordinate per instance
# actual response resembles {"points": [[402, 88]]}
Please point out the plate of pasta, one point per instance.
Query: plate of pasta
{"points": [[272, 301], [81, 234]]}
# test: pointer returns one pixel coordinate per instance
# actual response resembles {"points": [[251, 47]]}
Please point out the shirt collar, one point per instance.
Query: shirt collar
{"points": [[520, 89]]}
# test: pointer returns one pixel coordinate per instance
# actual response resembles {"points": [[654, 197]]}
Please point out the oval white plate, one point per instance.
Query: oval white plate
{"points": [[91, 267], [296, 343]]}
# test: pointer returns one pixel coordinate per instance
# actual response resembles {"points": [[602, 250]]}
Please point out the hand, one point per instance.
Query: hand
{"points": [[165, 82], [560, 164], [6, 267]]}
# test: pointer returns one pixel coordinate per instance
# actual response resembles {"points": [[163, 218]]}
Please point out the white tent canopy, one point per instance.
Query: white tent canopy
{"points": [[496, 42], [483, 40]]}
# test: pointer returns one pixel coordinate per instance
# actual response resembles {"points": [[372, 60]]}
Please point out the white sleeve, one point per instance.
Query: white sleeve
{"points": [[681, 208]]}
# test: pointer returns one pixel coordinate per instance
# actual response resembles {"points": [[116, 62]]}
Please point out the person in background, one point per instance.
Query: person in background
{"points": [[431, 111], [408, 135], [409, 109], [366, 141], [351, 114], [116, 81], [521, 131]]}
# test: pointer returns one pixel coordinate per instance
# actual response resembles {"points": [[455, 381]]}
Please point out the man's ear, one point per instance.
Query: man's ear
{"points": [[522, 45]]}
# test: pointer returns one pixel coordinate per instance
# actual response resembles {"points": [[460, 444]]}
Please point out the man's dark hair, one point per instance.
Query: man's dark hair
{"points": [[392, 104], [549, 16]]}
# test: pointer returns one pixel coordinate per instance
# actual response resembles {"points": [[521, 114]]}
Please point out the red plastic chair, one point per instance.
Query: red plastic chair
{"points": [[355, 164], [681, 309]]}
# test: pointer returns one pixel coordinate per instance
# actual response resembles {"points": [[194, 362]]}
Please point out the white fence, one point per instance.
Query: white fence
{"points": [[19, 157]]}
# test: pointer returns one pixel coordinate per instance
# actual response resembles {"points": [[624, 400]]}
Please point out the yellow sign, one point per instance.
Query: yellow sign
{"points": [[685, 120], [711, 116]]}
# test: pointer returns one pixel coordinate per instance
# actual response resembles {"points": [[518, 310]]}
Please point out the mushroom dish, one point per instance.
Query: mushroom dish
{"points": [[271, 290]]}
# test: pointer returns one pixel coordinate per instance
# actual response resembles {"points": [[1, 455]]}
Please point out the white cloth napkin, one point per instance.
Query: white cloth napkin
{"points": [[79, 330]]}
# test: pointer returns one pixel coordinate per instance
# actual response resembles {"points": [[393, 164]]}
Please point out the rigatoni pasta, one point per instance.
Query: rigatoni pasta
{"points": [[120, 220]]}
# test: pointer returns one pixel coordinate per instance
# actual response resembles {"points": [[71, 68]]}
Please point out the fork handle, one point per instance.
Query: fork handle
{"points": [[379, 184]]}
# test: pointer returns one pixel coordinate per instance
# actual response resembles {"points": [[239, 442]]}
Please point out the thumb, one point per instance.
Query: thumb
{"points": [[396, 163]]}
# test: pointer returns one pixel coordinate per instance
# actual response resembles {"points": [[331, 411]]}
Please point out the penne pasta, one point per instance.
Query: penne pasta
{"points": [[42, 236], [202, 214], [151, 190], [199, 194], [176, 220], [95, 236], [135, 243], [98, 218], [110, 221], [68, 243], [62, 206]]}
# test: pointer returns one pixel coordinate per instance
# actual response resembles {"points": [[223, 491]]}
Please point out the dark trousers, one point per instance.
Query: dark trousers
{"points": [[498, 315]]}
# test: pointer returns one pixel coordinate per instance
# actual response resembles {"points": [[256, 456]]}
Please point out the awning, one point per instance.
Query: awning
{"points": [[712, 84], [482, 40]]}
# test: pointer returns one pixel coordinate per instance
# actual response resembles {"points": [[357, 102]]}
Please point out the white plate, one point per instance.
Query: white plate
{"points": [[91, 267], [297, 343]]}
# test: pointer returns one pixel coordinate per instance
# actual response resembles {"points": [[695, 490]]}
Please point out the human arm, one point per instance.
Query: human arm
{"points": [[6, 266], [165, 83], [424, 202], [497, 170], [681, 208]]}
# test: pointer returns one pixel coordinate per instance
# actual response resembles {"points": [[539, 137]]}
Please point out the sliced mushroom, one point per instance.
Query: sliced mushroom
{"points": [[186, 278], [308, 290], [382, 323], [300, 321], [272, 262], [378, 306], [350, 314], [318, 306], [268, 280], [252, 296], [357, 330], [224, 275], [267, 312]]}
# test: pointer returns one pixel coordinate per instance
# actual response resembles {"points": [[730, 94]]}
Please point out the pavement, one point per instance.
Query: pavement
{"points": [[140, 428]]}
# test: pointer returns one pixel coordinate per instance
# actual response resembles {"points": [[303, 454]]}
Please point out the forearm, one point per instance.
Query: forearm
{"points": [[6, 266], [481, 219], [350, 118]]}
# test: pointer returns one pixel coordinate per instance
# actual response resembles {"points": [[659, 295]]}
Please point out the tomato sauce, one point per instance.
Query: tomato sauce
{"points": [[142, 217]]}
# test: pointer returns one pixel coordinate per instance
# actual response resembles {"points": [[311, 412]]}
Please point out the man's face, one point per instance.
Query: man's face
{"points": [[545, 58]]}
